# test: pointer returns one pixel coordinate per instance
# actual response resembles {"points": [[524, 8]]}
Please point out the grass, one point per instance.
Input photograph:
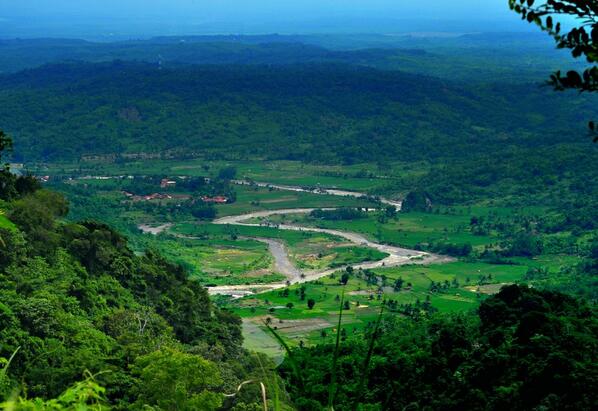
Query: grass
{"points": [[366, 364], [222, 261], [258, 340], [411, 229], [222, 256], [336, 256], [251, 199], [333, 388], [5, 223], [309, 251], [319, 253], [360, 177], [303, 324], [292, 238]]}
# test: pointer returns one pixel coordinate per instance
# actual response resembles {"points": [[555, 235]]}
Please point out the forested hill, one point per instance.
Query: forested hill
{"points": [[76, 301], [482, 55], [277, 50], [325, 113]]}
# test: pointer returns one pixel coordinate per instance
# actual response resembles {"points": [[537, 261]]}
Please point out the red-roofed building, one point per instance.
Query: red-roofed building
{"points": [[215, 200], [165, 183]]}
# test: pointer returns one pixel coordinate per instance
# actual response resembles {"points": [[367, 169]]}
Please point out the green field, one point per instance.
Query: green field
{"points": [[5, 222], [226, 255], [406, 230], [447, 225], [218, 261], [360, 177], [469, 283], [251, 199], [309, 251], [319, 254]]}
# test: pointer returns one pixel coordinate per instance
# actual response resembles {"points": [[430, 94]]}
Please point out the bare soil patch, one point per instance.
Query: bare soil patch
{"points": [[301, 326], [488, 289]]}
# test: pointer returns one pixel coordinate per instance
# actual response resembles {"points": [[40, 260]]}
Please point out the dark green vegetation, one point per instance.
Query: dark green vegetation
{"points": [[581, 39], [323, 113], [494, 172], [75, 301], [460, 57], [524, 349], [213, 254]]}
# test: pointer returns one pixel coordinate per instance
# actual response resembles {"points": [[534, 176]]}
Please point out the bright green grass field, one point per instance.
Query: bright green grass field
{"points": [[361, 177], [407, 230], [222, 262], [311, 251], [251, 199], [5, 222], [301, 323]]}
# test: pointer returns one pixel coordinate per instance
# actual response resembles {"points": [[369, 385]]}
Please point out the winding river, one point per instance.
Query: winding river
{"points": [[396, 255]]}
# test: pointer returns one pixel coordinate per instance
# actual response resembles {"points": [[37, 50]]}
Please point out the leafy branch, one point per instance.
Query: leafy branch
{"points": [[581, 40]]}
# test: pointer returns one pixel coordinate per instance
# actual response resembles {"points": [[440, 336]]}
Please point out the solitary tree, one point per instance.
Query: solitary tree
{"points": [[310, 303], [582, 39], [399, 284]]}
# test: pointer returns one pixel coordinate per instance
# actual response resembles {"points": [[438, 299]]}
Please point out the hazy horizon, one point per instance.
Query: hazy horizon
{"points": [[137, 18]]}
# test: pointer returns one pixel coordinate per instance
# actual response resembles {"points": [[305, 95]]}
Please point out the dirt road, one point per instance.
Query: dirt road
{"points": [[324, 191]]}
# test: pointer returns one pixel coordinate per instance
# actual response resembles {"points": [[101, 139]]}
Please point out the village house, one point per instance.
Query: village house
{"points": [[215, 200], [166, 183], [155, 196]]}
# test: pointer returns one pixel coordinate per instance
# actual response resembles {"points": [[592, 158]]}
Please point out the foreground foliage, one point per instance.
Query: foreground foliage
{"points": [[74, 300], [525, 349], [582, 39]]}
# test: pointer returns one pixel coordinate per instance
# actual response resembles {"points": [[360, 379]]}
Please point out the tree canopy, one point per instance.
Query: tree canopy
{"points": [[581, 39], [524, 349], [86, 323]]}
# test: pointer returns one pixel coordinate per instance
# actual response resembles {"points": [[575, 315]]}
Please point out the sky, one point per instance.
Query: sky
{"points": [[31, 18]]}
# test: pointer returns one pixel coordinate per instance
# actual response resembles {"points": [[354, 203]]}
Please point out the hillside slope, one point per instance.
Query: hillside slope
{"points": [[325, 113]]}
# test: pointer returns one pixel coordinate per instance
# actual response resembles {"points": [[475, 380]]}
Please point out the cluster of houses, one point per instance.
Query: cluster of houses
{"points": [[155, 196], [163, 196], [215, 200], [169, 183], [165, 183]]}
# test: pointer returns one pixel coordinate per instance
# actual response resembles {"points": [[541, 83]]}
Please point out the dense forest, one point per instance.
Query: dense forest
{"points": [[90, 319], [321, 113], [523, 350], [465, 57], [76, 302]]}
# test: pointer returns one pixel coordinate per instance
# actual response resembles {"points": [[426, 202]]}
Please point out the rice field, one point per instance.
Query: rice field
{"points": [[467, 284]]}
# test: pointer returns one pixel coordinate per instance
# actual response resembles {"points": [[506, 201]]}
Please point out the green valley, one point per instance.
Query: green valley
{"points": [[321, 221]]}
